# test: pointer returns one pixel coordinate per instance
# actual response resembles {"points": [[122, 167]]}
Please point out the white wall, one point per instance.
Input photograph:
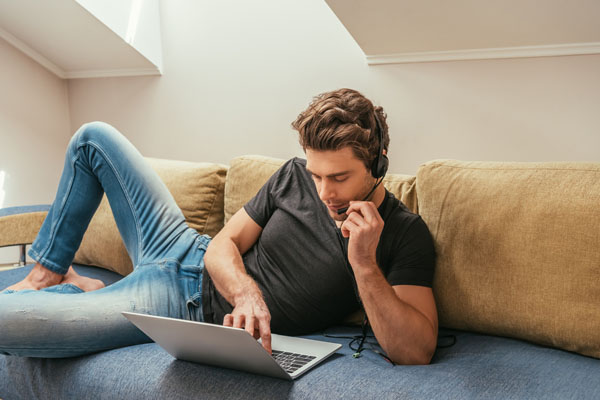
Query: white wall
{"points": [[34, 132], [237, 73], [534, 109]]}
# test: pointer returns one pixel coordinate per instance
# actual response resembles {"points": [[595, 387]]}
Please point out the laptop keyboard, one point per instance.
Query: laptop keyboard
{"points": [[291, 362]]}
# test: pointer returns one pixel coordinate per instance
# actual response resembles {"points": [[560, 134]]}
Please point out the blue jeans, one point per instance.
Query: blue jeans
{"points": [[64, 321]]}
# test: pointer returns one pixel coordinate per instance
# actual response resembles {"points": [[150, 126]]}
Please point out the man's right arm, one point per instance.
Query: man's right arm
{"points": [[223, 261]]}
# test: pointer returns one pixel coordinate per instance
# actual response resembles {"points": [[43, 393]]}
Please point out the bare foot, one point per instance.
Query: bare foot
{"points": [[38, 278], [84, 283]]}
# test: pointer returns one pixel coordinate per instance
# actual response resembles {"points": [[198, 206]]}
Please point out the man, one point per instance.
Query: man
{"points": [[319, 239]]}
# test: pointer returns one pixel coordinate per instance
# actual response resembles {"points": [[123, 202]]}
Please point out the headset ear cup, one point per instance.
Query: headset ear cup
{"points": [[384, 164], [381, 162], [380, 166], [375, 168]]}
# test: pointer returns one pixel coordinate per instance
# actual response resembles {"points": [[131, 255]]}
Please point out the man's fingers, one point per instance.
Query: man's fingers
{"points": [[356, 219], [238, 321], [347, 227], [254, 317], [250, 325], [265, 335], [365, 208]]}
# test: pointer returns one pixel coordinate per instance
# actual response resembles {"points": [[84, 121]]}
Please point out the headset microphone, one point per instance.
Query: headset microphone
{"points": [[379, 166]]}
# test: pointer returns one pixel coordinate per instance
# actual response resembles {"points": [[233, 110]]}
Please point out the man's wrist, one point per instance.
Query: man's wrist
{"points": [[364, 264], [366, 270], [246, 290]]}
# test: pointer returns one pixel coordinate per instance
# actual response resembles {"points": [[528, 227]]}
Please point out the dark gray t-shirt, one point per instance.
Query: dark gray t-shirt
{"points": [[300, 263]]}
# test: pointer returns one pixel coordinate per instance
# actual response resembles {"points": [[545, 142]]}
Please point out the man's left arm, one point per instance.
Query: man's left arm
{"points": [[403, 317]]}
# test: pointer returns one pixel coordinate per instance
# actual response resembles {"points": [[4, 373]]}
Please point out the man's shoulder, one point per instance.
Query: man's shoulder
{"points": [[293, 169], [298, 162], [293, 164], [399, 219], [290, 178], [397, 210]]}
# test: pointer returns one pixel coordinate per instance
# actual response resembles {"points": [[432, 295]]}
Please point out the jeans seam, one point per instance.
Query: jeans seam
{"points": [[125, 192], [42, 254], [161, 261]]}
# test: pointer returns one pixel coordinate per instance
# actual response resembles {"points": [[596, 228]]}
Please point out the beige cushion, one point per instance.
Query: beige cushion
{"points": [[404, 188], [247, 174], [517, 249], [198, 191]]}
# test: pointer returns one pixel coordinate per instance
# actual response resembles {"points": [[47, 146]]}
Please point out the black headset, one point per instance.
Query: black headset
{"points": [[379, 166], [381, 162]]}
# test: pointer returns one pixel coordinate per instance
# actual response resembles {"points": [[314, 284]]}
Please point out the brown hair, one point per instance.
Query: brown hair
{"points": [[341, 118]]}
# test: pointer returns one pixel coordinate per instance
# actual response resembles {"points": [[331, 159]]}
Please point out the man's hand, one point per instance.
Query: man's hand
{"points": [[363, 227], [251, 313], [403, 317], [223, 261]]}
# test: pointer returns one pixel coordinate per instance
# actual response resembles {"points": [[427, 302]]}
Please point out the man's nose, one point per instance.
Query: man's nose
{"points": [[326, 191]]}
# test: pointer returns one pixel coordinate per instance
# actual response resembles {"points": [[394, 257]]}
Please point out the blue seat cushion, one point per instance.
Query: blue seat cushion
{"points": [[475, 367]]}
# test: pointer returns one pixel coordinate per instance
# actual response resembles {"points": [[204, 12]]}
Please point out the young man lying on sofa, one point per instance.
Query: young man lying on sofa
{"points": [[319, 239]]}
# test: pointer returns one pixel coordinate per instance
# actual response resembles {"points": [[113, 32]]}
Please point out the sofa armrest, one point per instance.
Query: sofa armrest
{"points": [[20, 225]]}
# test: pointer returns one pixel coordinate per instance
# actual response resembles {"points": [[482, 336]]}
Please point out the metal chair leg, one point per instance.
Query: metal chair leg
{"points": [[22, 257]]}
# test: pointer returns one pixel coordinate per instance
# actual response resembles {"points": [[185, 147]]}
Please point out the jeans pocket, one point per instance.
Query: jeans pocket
{"points": [[194, 307]]}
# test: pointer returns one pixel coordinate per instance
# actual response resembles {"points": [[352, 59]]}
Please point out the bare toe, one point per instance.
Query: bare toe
{"points": [[83, 282]]}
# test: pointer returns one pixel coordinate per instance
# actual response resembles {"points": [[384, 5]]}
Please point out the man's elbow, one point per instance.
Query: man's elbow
{"points": [[418, 355], [425, 356], [216, 248], [208, 255], [422, 358]]}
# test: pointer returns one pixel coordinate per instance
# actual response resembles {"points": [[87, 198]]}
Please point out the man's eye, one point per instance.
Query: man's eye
{"points": [[339, 180], [316, 178]]}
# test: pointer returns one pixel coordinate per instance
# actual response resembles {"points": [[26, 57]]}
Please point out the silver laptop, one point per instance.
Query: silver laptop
{"points": [[233, 348]]}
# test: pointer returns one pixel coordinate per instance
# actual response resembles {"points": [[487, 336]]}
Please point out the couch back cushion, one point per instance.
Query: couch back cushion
{"points": [[198, 190], [247, 174], [518, 249]]}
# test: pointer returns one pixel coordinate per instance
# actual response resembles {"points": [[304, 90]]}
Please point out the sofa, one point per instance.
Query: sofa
{"points": [[517, 286]]}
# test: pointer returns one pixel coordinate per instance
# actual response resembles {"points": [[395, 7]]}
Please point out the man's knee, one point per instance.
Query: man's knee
{"points": [[97, 132]]}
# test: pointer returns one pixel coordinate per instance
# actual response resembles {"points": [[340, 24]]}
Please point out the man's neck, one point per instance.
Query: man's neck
{"points": [[378, 196]]}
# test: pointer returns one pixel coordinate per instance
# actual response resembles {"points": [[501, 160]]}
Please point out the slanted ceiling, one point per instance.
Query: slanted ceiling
{"points": [[70, 41], [395, 31]]}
